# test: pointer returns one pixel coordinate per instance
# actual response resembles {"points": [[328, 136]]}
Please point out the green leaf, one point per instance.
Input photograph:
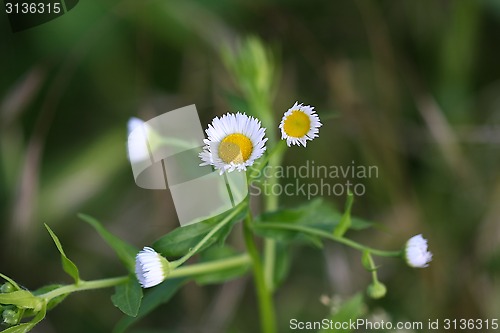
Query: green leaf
{"points": [[54, 301], [68, 266], [178, 242], [22, 299], [152, 299], [223, 275], [26, 327], [128, 297], [345, 221], [348, 311], [8, 279], [282, 263], [316, 214], [123, 250], [21, 328]]}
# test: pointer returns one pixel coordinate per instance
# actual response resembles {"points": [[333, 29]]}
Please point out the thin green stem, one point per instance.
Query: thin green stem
{"points": [[196, 269], [271, 204], [324, 234], [266, 308], [373, 268], [210, 267], [84, 285], [214, 230]]}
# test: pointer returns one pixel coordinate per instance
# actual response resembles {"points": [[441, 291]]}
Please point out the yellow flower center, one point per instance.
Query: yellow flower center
{"points": [[297, 124], [235, 148]]}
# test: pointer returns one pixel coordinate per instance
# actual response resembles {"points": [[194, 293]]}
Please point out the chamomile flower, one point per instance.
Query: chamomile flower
{"points": [[416, 252], [151, 268], [299, 124], [234, 142]]}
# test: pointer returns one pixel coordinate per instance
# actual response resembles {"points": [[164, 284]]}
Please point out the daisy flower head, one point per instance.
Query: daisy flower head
{"points": [[416, 252], [234, 142], [151, 268], [299, 124]]}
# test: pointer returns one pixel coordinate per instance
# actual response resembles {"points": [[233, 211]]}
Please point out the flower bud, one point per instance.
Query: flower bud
{"points": [[11, 317], [7, 287], [151, 268], [416, 252], [376, 290]]}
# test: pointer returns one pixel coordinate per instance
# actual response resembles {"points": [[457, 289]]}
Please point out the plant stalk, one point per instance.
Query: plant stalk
{"points": [[219, 226], [324, 234], [211, 267], [266, 308], [271, 204]]}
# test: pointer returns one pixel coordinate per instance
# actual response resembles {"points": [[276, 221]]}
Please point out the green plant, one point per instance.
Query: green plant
{"points": [[254, 70]]}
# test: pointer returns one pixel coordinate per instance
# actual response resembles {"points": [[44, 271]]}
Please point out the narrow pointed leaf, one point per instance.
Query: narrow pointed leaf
{"points": [[68, 266], [123, 250], [345, 221]]}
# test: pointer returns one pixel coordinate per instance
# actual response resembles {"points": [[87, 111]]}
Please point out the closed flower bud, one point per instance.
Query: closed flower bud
{"points": [[151, 268], [7, 287], [11, 317], [376, 290], [416, 252]]}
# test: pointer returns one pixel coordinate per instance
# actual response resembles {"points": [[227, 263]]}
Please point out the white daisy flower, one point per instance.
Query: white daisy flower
{"points": [[299, 124], [234, 142], [416, 252], [151, 268]]}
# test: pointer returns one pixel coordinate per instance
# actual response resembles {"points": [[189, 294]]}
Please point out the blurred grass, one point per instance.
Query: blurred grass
{"points": [[416, 84]]}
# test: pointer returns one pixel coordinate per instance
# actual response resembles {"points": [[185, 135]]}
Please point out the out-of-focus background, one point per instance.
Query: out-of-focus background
{"points": [[415, 86]]}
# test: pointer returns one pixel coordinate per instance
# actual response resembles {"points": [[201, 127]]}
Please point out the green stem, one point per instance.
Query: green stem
{"points": [[266, 308], [373, 268], [197, 269], [84, 285], [271, 204], [210, 267], [324, 234], [219, 226]]}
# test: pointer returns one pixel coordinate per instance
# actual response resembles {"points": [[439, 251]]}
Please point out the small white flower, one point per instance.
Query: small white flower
{"points": [[416, 252], [234, 142], [150, 267], [299, 124]]}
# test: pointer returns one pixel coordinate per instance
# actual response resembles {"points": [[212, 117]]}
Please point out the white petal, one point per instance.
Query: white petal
{"points": [[416, 252], [149, 268]]}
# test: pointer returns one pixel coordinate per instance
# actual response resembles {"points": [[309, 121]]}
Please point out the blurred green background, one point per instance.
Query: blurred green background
{"points": [[416, 89]]}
